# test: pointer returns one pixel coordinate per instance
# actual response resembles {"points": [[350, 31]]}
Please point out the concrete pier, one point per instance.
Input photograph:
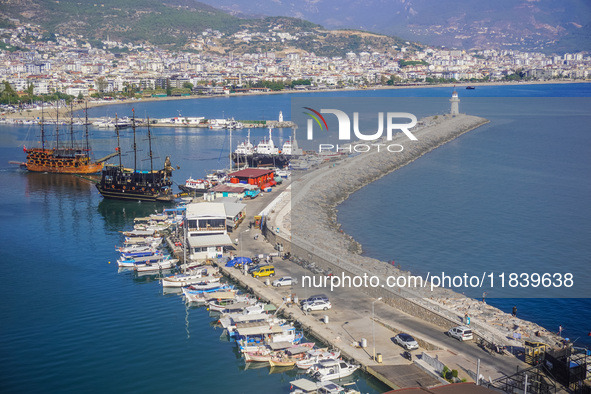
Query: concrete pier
{"points": [[303, 222], [309, 229]]}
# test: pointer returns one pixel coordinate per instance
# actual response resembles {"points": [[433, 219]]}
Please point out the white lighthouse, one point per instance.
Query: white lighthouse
{"points": [[281, 116], [455, 103]]}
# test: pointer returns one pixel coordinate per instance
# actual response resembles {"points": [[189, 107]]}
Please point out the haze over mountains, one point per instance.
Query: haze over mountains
{"points": [[532, 25], [544, 25]]}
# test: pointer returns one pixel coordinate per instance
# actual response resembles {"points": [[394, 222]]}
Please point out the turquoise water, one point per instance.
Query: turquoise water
{"points": [[71, 323], [511, 196]]}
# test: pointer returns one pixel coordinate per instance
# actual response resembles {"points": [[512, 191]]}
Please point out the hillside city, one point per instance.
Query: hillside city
{"points": [[35, 62]]}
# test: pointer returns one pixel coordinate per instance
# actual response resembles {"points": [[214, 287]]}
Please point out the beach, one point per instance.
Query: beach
{"points": [[65, 111]]}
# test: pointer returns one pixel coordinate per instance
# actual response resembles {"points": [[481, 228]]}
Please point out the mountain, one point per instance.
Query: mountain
{"points": [[132, 20], [545, 25], [182, 24]]}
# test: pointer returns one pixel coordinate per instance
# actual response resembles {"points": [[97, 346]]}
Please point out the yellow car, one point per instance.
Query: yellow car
{"points": [[265, 270]]}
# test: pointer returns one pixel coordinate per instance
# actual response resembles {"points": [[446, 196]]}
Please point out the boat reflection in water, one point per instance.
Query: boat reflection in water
{"points": [[120, 215], [49, 183]]}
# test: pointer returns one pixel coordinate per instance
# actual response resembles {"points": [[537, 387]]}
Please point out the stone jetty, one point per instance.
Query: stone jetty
{"points": [[306, 225]]}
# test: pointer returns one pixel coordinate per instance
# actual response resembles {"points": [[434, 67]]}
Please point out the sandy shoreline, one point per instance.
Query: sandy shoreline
{"points": [[311, 223], [64, 112]]}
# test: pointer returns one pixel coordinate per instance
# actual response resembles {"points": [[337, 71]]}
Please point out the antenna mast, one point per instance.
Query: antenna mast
{"points": [[57, 127], [134, 144], [42, 126], [71, 125], [150, 146], [86, 126], [118, 145]]}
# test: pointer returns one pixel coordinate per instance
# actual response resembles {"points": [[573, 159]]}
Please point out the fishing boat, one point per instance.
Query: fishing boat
{"points": [[233, 124], [142, 241], [305, 386], [282, 361], [217, 177], [222, 305], [130, 263], [315, 356], [158, 266], [123, 183], [139, 233], [263, 356], [332, 370], [65, 157], [205, 288], [196, 187], [255, 336], [203, 298], [189, 278], [139, 252], [134, 248]]}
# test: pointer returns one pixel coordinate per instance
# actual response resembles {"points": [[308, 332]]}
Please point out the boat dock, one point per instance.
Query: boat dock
{"points": [[363, 334], [363, 321]]}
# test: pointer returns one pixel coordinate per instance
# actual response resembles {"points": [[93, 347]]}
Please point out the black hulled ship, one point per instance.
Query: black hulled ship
{"points": [[265, 154], [123, 183]]}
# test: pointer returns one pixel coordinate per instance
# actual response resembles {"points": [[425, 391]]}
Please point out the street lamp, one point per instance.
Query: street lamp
{"points": [[243, 262], [373, 323]]}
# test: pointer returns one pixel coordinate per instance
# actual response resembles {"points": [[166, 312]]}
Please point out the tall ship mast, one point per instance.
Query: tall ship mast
{"points": [[63, 158], [118, 182]]}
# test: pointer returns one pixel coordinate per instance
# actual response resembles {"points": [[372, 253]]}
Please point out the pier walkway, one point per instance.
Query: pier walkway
{"points": [[351, 321]]}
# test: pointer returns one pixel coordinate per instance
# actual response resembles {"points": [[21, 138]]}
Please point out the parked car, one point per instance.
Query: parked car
{"points": [[284, 281], [253, 268], [318, 305], [318, 297], [265, 270], [463, 333], [406, 341]]}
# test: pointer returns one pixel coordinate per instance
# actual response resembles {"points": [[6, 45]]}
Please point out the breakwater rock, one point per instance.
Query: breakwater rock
{"points": [[314, 232]]}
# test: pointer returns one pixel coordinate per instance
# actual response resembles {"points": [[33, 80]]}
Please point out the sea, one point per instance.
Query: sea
{"points": [[510, 192]]}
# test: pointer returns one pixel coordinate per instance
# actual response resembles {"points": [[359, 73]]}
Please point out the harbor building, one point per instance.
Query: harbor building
{"points": [[207, 230], [253, 176]]}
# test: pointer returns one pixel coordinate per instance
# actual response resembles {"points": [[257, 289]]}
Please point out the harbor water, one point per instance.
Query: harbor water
{"points": [[71, 322]]}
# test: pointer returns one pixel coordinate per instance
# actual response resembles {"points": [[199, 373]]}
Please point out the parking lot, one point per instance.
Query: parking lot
{"points": [[351, 322]]}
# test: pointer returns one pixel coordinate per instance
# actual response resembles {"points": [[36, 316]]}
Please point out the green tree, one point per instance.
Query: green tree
{"points": [[168, 88], [30, 89], [8, 90], [188, 85], [101, 85]]}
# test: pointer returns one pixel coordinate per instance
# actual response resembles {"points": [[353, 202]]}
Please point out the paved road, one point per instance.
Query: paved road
{"points": [[350, 319]]}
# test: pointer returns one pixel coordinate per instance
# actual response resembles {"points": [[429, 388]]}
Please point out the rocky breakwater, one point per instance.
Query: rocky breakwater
{"points": [[310, 223]]}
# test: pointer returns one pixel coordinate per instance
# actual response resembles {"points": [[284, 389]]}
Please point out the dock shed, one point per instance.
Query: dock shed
{"points": [[253, 176]]}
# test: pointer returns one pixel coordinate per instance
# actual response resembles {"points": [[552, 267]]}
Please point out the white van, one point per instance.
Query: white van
{"points": [[463, 333]]}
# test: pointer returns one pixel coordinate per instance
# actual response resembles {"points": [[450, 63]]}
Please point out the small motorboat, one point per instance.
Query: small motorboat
{"points": [[315, 356], [332, 370], [282, 361], [158, 266]]}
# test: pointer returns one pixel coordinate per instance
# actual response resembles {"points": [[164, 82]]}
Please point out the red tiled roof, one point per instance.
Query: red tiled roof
{"points": [[251, 173]]}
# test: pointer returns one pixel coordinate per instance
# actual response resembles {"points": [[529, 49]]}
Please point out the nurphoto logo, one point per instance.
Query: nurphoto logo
{"points": [[391, 124]]}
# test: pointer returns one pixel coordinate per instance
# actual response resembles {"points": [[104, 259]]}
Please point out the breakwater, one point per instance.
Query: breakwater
{"points": [[309, 229]]}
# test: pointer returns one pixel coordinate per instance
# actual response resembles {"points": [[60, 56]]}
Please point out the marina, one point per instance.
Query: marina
{"points": [[347, 322]]}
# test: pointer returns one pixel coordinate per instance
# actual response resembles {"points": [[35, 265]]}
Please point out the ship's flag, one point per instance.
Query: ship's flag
{"points": [[24, 149]]}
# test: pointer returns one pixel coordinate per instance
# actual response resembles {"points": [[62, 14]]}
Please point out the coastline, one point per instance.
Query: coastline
{"points": [[32, 114], [310, 224]]}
